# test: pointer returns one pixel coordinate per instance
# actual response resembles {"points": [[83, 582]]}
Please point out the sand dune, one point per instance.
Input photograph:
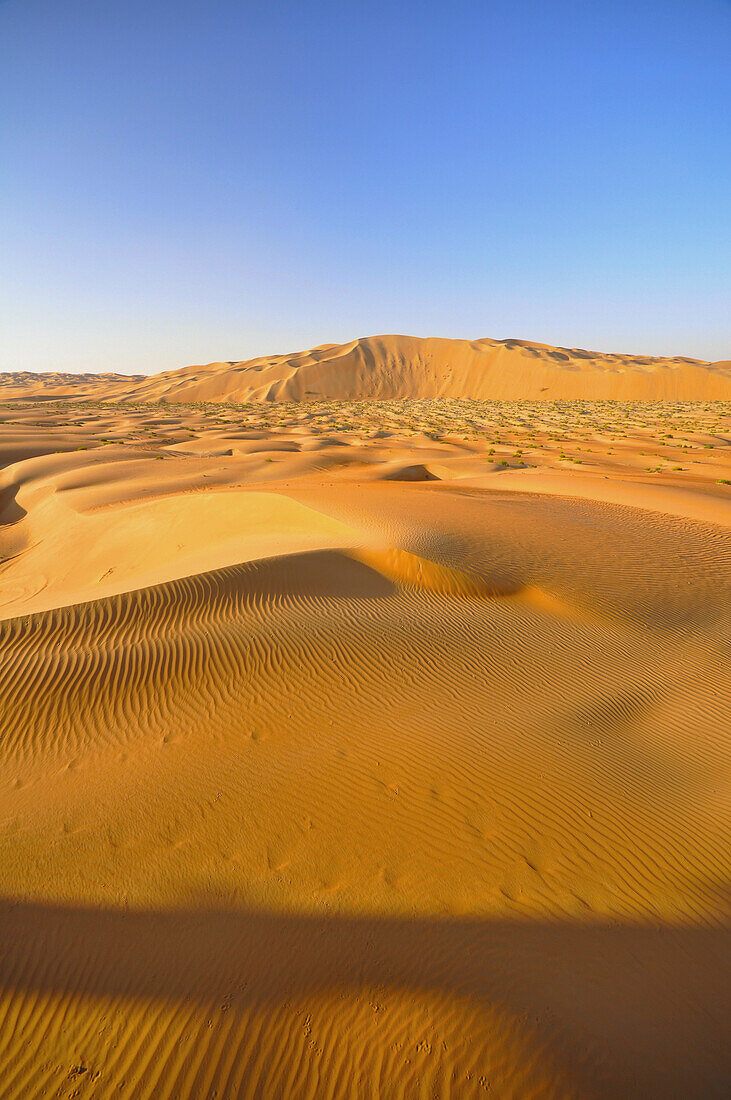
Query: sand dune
{"points": [[365, 750], [404, 367]]}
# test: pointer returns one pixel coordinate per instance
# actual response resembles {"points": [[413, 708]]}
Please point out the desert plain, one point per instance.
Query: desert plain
{"points": [[367, 747]]}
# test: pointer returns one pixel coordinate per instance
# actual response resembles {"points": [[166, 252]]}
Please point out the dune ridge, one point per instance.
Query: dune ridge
{"points": [[403, 367]]}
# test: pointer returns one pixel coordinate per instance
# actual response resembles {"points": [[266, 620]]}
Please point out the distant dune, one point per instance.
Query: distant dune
{"points": [[398, 367]]}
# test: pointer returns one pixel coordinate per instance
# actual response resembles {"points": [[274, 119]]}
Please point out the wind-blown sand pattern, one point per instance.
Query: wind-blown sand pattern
{"points": [[366, 749]]}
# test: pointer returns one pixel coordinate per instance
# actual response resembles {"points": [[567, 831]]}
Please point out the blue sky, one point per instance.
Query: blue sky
{"points": [[194, 180]]}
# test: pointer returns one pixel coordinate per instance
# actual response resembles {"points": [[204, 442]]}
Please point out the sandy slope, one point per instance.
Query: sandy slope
{"points": [[342, 756], [401, 367]]}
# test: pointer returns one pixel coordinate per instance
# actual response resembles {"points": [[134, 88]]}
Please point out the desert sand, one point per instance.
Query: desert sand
{"points": [[367, 748], [403, 368]]}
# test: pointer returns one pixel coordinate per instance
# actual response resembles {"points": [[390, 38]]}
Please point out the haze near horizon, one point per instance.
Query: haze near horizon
{"points": [[230, 180]]}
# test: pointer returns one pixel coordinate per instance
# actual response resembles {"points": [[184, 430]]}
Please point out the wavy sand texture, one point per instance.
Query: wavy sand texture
{"points": [[351, 788]]}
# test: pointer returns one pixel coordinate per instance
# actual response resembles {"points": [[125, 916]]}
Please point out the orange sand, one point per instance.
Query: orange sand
{"points": [[404, 367], [370, 750]]}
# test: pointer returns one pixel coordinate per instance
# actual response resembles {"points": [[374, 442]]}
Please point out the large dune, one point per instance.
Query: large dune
{"points": [[402, 367], [364, 750]]}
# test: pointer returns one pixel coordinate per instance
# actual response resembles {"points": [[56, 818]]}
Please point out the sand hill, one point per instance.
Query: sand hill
{"points": [[398, 367]]}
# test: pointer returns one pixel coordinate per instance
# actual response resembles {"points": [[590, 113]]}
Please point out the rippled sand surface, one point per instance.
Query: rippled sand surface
{"points": [[365, 750]]}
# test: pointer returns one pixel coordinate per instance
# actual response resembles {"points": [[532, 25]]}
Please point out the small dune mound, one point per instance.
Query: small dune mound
{"points": [[415, 472]]}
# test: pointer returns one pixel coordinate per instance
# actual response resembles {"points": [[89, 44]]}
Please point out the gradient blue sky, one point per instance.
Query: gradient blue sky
{"points": [[194, 180]]}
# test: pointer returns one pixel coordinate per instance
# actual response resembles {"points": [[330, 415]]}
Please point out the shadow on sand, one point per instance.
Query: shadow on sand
{"points": [[651, 1004]]}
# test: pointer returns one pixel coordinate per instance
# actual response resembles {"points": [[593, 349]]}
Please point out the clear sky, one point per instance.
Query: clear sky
{"points": [[190, 180]]}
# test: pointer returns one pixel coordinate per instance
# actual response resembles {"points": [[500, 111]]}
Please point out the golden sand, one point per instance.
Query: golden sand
{"points": [[368, 749], [405, 368]]}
